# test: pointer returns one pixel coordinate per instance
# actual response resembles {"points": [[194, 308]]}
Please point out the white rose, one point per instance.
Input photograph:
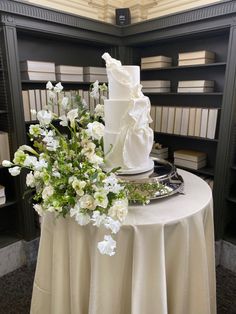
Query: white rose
{"points": [[15, 171], [7, 163], [30, 180], [47, 192], [95, 130], [87, 202], [44, 117], [119, 209]]}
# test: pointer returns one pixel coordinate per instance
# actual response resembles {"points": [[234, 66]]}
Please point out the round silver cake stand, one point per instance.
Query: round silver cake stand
{"points": [[164, 173]]}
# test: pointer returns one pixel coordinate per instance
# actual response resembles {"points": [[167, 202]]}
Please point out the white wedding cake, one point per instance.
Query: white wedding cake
{"points": [[128, 139]]}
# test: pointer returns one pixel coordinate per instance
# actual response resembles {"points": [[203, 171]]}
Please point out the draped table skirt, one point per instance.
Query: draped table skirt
{"points": [[164, 261]]}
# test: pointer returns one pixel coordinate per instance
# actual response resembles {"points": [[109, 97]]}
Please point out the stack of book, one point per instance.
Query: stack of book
{"points": [[196, 86], [190, 159], [92, 74], [37, 70], [156, 86], [2, 195], [155, 62], [159, 152], [4, 147], [69, 73], [196, 57]]}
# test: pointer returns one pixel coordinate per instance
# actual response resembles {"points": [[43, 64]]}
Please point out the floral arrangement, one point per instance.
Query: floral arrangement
{"points": [[65, 166]]}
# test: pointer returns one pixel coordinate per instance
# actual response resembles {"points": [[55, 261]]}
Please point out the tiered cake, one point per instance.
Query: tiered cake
{"points": [[128, 138]]}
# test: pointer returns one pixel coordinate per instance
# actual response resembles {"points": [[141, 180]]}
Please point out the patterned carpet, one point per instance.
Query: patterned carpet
{"points": [[16, 289]]}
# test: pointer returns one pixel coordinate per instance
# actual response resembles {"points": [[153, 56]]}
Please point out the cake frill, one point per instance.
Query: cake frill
{"points": [[128, 139]]}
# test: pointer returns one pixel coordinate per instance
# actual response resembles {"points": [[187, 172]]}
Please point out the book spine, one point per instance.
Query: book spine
{"points": [[212, 121], [192, 119], [171, 119], [184, 121], [153, 116], [26, 105], [178, 119], [164, 120], [204, 120], [158, 119], [198, 118]]}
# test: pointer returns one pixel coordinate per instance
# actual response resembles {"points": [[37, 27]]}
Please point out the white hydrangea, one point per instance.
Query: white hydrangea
{"points": [[98, 218], [7, 163], [111, 184], [30, 161]]}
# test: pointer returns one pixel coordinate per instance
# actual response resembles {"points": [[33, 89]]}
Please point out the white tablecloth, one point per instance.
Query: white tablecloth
{"points": [[164, 262]]}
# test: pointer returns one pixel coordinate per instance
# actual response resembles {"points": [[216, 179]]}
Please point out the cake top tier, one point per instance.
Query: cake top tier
{"points": [[123, 81]]}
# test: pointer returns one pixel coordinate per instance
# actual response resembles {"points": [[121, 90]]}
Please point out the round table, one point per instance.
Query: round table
{"points": [[164, 261]]}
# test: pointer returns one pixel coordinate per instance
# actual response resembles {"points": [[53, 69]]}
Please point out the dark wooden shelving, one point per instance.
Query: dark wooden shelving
{"points": [[231, 199], [180, 67], [203, 171], [233, 167], [188, 137], [187, 94], [55, 82], [3, 111], [8, 203], [8, 237]]}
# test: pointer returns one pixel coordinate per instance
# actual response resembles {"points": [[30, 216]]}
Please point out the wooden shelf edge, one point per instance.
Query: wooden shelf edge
{"points": [[7, 204], [178, 67], [188, 136]]}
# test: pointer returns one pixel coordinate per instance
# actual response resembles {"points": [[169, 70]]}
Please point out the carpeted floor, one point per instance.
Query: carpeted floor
{"points": [[16, 289]]}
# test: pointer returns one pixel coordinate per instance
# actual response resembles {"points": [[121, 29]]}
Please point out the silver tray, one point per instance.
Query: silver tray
{"points": [[164, 173]]}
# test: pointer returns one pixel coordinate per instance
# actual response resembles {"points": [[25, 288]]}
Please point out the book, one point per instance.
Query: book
{"points": [[155, 83], [158, 119], [196, 83], [204, 121], [38, 104], [2, 190], [26, 105], [190, 164], [155, 65], [195, 61], [38, 76], [153, 116], [156, 59], [4, 146], [86, 97], [43, 95], [32, 102], [37, 66], [156, 90], [192, 119], [196, 55], [190, 155], [164, 119], [195, 89], [69, 77], [212, 121], [171, 119], [198, 118], [178, 119], [91, 78], [184, 121], [68, 69], [2, 200], [95, 70], [161, 155]]}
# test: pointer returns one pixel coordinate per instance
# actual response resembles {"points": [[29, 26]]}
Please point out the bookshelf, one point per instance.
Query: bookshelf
{"points": [[40, 34]]}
